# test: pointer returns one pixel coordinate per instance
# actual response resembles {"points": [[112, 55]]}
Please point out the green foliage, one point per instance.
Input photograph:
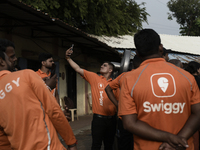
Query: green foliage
{"points": [[187, 14], [99, 17]]}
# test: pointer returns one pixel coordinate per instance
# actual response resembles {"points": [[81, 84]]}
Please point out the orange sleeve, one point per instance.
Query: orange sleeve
{"points": [[4, 143], [114, 84], [51, 108], [195, 93], [126, 104], [89, 76]]}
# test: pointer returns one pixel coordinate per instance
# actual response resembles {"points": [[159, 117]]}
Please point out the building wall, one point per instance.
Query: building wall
{"points": [[28, 48], [81, 95]]}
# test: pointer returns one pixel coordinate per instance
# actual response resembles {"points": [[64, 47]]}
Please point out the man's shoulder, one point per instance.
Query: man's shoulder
{"points": [[26, 72], [86, 72]]}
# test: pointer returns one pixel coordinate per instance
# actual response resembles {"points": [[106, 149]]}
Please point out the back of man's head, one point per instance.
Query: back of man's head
{"points": [[147, 42], [111, 66], [192, 67], [2, 50], [44, 57], [6, 43], [176, 62]]}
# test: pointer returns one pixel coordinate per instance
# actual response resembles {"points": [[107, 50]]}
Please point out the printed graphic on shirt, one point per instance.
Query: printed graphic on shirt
{"points": [[8, 88], [163, 85], [101, 86], [101, 98], [167, 108]]}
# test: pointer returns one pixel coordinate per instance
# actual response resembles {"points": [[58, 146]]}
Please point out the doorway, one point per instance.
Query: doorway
{"points": [[71, 84]]}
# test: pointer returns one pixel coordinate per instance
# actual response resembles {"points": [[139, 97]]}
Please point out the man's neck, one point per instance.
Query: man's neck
{"points": [[107, 76], [45, 70], [150, 57]]}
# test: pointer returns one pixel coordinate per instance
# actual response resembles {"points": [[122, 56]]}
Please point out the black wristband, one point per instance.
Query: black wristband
{"points": [[69, 146]]}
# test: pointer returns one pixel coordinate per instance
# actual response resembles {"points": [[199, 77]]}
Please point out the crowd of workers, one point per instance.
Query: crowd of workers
{"points": [[156, 105]]}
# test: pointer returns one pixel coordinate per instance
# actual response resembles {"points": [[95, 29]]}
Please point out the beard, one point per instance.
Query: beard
{"points": [[10, 67]]}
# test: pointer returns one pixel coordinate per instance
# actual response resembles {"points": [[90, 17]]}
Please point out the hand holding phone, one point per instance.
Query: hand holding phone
{"points": [[53, 70]]}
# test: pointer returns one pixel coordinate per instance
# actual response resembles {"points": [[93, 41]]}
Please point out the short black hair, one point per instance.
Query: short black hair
{"points": [[192, 67], [6, 43], [44, 57], [147, 42], [176, 62], [111, 65]]}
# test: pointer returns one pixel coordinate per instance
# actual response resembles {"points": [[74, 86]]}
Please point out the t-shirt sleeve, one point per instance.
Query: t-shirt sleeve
{"points": [[126, 104], [89, 76], [195, 93], [114, 84], [51, 107]]}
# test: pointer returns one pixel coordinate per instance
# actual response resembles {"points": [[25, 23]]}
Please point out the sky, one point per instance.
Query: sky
{"points": [[157, 9]]}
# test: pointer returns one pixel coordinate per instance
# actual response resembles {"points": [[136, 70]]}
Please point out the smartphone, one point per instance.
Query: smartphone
{"points": [[72, 46]]}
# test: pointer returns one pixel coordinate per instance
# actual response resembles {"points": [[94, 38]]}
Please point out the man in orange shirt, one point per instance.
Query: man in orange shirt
{"points": [[42, 117], [104, 118], [9, 49], [125, 139], [159, 102], [44, 72]]}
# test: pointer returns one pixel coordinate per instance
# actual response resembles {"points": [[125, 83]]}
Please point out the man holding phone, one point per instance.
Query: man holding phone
{"points": [[49, 77]]}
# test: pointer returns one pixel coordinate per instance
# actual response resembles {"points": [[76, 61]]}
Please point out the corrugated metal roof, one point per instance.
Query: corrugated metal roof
{"points": [[181, 44]]}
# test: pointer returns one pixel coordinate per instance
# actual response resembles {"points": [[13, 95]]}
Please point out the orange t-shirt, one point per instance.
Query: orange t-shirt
{"points": [[101, 104], [29, 114], [44, 75], [161, 94]]}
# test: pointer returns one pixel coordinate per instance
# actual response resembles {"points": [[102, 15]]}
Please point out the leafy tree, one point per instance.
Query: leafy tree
{"points": [[187, 14], [99, 17]]}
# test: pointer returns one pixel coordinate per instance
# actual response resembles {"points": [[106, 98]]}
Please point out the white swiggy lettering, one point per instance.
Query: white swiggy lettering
{"points": [[168, 108], [9, 88], [101, 98], [16, 82], [2, 94]]}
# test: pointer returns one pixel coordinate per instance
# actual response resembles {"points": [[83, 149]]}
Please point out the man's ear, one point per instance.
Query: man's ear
{"points": [[43, 63], [110, 70], [160, 49], [2, 62], [137, 54]]}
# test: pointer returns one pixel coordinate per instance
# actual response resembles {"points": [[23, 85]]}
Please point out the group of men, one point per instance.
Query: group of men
{"points": [[158, 103], [30, 116]]}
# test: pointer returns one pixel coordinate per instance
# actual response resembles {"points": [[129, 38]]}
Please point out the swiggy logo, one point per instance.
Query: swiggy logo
{"points": [[163, 85], [100, 85]]}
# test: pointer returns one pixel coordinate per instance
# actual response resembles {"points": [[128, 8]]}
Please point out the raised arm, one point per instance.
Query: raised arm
{"points": [[74, 65], [111, 95]]}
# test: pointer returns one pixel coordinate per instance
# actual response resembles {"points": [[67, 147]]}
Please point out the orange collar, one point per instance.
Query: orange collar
{"points": [[153, 60], [41, 72]]}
